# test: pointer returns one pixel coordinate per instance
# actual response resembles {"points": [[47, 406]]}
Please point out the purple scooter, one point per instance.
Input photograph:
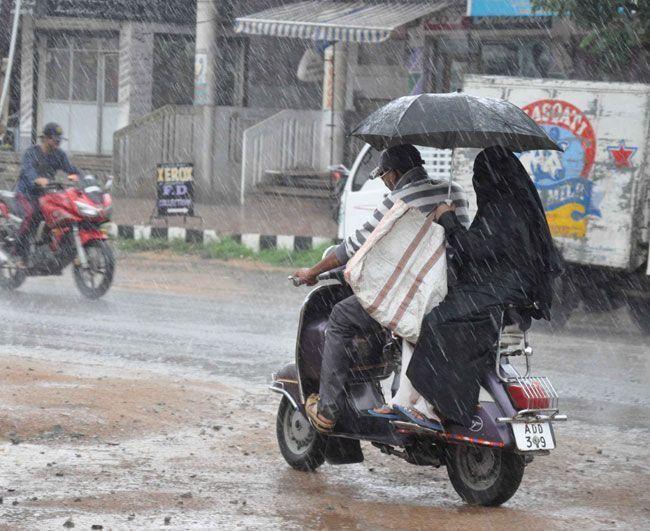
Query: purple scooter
{"points": [[485, 461]]}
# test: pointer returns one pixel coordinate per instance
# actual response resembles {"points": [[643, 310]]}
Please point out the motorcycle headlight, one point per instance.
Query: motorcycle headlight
{"points": [[87, 210]]}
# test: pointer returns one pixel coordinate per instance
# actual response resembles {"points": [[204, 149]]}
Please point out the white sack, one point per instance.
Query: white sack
{"points": [[400, 273]]}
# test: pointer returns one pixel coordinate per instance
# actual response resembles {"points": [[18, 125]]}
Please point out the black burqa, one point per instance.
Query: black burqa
{"points": [[507, 256]]}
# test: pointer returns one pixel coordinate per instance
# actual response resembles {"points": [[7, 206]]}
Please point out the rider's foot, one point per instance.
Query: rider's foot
{"points": [[318, 420]]}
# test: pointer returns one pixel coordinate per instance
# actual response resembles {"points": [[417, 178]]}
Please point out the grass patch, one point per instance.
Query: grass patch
{"points": [[226, 249]]}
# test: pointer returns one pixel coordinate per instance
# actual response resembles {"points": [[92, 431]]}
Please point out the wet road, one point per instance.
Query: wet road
{"points": [[236, 324]]}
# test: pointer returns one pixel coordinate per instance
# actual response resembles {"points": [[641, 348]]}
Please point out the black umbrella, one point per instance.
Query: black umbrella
{"points": [[449, 121]]}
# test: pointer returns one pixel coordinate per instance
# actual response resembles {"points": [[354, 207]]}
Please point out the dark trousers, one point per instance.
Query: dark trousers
{"points": [[347, 320], [30, 210]]}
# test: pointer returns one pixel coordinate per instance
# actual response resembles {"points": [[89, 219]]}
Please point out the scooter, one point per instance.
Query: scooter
{"points": [[485, 461], [70, 233]]}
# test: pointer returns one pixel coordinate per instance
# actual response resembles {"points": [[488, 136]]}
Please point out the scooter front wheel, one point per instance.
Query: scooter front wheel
{"points": [[300, 444], [484, 476]]}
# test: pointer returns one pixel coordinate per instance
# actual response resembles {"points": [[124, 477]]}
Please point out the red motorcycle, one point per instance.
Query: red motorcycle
{"points": [[70, 232]]}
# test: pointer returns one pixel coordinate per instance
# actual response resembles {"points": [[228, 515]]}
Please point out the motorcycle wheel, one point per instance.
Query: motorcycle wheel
{"points": [[301, 445], [484, 476], [95, 281], [11, 278]]}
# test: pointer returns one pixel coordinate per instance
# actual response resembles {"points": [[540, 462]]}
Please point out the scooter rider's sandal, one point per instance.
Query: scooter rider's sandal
{"points": [[322, 424], [384, 412], [417, 417]]}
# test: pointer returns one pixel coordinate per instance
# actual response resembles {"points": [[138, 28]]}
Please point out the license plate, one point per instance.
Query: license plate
{"points": [[533, 436]]}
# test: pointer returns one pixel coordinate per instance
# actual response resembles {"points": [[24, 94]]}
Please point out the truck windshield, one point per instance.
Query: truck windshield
{"points": [[368, 163]]}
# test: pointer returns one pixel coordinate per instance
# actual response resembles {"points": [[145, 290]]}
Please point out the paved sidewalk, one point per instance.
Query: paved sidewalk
{"points": [[274, 215]]}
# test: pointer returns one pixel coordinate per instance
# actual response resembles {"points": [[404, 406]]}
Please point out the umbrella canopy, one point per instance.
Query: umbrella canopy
{"points": [[453, 120]]}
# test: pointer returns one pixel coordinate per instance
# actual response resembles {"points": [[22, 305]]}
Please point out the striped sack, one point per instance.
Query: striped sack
{"points": [[400, 273]]}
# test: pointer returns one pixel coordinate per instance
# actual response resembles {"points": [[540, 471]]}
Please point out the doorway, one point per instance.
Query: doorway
{"points": [[78, 88]]}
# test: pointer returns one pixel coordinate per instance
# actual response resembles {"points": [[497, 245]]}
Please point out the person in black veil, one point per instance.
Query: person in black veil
{"points": [[507, 256]]}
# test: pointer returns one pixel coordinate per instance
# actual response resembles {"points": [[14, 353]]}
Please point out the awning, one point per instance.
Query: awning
{"points": [[337, 21]]}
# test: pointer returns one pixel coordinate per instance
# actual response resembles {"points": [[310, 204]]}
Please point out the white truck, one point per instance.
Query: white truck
{"points": [[595, 192]]}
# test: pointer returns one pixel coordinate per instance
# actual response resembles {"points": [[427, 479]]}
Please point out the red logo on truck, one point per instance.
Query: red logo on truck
{"points": [[562, 178]]}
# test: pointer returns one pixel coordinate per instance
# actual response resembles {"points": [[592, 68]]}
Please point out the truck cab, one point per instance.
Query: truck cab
{"points": [[361, 194]]}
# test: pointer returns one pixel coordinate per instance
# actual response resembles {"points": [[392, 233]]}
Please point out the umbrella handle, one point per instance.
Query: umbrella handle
{"points": [[451, 173]]}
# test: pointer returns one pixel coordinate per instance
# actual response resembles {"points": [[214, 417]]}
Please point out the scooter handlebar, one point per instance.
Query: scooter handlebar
{"points": [[334, 274]]}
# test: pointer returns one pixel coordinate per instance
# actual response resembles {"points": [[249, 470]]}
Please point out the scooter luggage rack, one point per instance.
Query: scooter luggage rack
{"points": [[535, 388]]}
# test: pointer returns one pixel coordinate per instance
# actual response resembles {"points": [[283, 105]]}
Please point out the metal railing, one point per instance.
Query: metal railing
{"points": [[165, 135], [288, 140]]}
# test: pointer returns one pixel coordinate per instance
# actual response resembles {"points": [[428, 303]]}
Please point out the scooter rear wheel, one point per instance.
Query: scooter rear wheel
{"points": [[300, 444], [484, 476]]}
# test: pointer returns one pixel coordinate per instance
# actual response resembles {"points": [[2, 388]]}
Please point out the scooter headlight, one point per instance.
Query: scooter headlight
{"points": [[87, 210]]}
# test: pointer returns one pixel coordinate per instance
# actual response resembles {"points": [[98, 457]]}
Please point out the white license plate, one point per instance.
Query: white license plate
{"points": [[533, 436]]}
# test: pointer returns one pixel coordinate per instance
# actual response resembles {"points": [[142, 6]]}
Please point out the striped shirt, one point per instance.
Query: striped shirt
{"points": [[416, 190]]}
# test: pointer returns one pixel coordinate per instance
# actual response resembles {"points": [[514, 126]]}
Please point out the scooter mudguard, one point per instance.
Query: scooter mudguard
{"points": [[285, 382], [341, 451], [484, 430], [88, 235]]}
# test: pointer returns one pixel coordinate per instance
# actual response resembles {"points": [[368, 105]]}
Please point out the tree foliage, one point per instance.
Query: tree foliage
{"points": [[616, 32]]}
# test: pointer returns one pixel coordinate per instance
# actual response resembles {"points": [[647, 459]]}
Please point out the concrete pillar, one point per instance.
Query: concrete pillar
{"points": [[27, 96], [136, 72], [334, 103], [207, 52], [205, 91]]}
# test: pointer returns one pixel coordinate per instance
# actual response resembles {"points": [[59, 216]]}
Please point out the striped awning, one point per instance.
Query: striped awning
{"points": [[337, 21]]}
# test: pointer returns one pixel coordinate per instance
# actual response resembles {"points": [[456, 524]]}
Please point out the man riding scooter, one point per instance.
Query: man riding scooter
{"points": [[401, 169], [39, 165]]}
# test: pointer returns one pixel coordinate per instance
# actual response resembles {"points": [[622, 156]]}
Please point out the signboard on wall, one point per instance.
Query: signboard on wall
{"points": [[503, 8], [175, 189]]}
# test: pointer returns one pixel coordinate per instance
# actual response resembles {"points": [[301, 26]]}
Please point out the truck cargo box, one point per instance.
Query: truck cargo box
{"points": [[595, 192]]}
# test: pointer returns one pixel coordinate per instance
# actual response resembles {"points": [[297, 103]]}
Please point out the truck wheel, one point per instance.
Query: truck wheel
{"points": [[484, 476], [11, 277], [95, 281], [300, 444], [640, 311]]}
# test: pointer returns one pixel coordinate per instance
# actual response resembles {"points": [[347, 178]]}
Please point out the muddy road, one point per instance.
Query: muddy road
{"points": [[148, 409]]}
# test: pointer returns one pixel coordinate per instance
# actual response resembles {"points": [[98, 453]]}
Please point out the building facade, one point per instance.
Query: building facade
{"points": [[94, 67]]}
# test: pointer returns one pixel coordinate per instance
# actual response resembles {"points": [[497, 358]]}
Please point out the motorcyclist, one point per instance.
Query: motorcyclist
{"points": [[401, 169], [39, 165]]}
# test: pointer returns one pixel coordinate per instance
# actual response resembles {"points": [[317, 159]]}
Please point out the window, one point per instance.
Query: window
{"points": [[368, 163], [173, 70], [111, 77], [57, 74], [84, 76], [500, 59]]}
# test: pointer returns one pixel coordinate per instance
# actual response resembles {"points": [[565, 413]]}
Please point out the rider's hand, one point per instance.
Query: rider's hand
{"points": [[41, 181], [73, 177], [441, 209], [306, 276]]}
